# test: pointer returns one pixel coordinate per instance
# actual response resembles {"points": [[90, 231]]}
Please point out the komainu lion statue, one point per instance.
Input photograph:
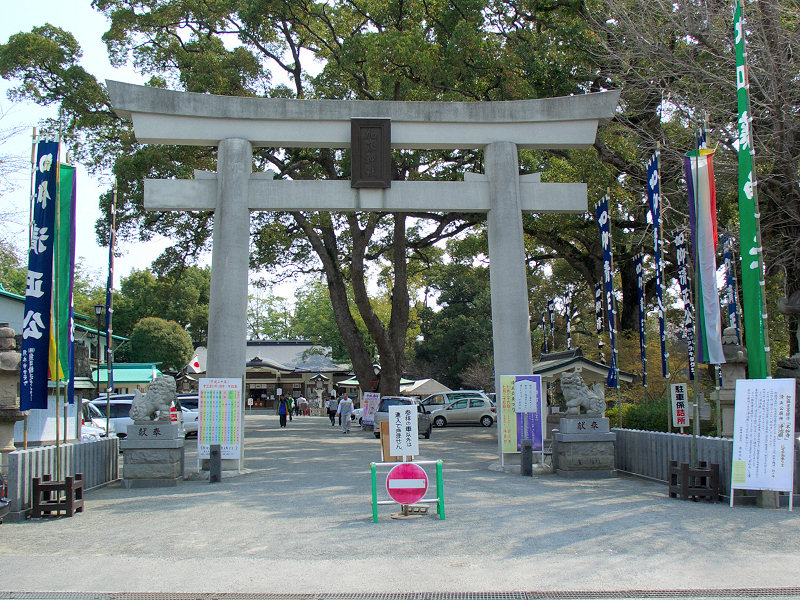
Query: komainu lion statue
{"points": [[158, 399], [578, 394]]}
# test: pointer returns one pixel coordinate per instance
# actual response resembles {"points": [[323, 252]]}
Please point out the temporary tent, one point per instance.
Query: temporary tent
{"points": [[423, 387]]}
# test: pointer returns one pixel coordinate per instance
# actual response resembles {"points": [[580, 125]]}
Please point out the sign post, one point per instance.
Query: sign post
{"points": [[680, 414], [221, 418], [763, 436]]}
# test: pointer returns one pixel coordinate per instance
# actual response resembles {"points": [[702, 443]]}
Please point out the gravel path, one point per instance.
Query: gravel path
{"points": [[299, 521]]}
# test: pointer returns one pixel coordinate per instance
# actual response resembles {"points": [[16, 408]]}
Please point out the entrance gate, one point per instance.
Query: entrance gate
{"points": [[237, 124]]}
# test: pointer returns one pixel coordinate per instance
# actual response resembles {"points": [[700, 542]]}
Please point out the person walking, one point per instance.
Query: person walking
{"points": [[283, 410], [345, 411], [333, 405], [290, 402]]}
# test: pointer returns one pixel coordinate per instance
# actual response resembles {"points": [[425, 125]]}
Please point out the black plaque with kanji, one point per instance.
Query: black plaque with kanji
{"points": [[371, 153]]}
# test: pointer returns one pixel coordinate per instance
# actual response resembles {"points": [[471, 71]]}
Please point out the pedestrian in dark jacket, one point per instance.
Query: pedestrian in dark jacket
{"points": [[283, 410]]}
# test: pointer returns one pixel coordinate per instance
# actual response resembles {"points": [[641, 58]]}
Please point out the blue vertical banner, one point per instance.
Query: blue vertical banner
{"points": [[604, 223], [544, 331], [686, 297], [39, 287], [654, 203], [730, 287], [568, 315], [551, 312], [109, 297], [638, 261], [598, 307]]}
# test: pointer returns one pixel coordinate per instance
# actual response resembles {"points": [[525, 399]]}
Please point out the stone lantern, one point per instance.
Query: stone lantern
{"points": [[9, 393]]}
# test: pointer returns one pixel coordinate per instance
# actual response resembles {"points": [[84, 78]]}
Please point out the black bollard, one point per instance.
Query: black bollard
{"points": [[526, 457], [215, 464]]}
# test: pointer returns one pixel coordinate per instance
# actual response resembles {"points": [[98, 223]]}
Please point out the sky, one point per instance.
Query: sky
{"points": [[87, 25]]}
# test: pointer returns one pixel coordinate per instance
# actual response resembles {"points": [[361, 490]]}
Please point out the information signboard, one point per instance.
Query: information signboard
{"points": [[763, 435], [371, 401], [521, 411], [403, 430], [221, 417], [680, 405]]}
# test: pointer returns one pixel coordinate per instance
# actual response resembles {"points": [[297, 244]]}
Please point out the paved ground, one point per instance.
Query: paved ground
{"points": [[299, 522]]}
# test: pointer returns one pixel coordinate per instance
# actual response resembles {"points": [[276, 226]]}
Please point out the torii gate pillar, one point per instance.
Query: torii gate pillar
{"points": [[230, 262], [511, 328]]}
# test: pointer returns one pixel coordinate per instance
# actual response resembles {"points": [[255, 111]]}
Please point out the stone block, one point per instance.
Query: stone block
{"points": [[583, 456], [152, 455], [153, 430], [583, 424], [151, 470]]}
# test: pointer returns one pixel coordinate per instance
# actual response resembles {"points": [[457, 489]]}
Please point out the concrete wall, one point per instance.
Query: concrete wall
{"points": [[98, 460]]}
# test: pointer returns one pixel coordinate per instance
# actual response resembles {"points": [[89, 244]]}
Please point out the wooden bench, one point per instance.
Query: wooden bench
{"points": [[54, 497], [701, 483]]}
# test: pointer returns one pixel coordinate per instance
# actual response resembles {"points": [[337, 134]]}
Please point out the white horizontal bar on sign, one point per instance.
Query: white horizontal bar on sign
{"points": [[407, 484]]}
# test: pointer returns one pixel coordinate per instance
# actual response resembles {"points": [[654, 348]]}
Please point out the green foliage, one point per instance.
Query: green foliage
{"points": [[13, 272], [180, 296], [159, 340]]}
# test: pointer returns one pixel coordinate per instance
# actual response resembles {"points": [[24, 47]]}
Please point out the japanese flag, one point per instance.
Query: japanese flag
{"points": [[194, 365]]}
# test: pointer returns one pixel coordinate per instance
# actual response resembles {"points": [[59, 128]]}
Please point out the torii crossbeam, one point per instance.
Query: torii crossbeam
{"points": [[236, 125]]}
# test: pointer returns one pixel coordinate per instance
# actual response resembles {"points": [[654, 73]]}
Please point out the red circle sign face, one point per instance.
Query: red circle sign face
{"points": [[407, 483]]}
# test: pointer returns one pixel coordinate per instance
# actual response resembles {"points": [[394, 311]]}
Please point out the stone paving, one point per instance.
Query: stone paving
{"points": [[298, 521]]}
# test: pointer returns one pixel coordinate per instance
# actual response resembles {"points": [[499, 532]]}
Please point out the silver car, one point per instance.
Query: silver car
{"points": [[442, 399], [423, 418], [471, 411]]}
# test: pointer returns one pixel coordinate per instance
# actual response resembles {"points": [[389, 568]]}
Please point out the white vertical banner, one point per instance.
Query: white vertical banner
{"points": [[763, 435], [369, 407], [680, 405], [403, 430]]}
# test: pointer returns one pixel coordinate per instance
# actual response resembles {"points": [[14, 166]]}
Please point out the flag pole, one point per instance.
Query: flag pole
{"points": [[109, 307]]}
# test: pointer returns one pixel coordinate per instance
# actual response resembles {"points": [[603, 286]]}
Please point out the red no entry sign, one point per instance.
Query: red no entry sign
{"points": [[407, 483]]}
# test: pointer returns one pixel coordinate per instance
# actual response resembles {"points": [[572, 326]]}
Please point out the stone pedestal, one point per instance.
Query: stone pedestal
{"points": [[152, 455], [735, 367], [583, 447], [9, 400]]}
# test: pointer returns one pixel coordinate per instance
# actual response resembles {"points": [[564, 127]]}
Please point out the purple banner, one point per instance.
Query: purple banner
{"points": [[686, 297], [604, 223], [39, 288]]}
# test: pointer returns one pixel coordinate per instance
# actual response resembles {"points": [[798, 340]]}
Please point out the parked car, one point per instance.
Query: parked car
{"points": [[91, 416], [466, 410], [191, 421], [442, 399], [423, 418], [92, 432], [357, 415], [119, 416]]}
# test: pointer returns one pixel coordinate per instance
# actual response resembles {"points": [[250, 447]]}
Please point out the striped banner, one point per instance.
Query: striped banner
{"points": [[639, 267], [699, 168], [604, 223], [654, 202], [686, 297]]}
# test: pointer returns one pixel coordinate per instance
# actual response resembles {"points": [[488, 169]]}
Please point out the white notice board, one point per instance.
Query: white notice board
{"points": [[403, 430], [221, 417], [763, 435]]}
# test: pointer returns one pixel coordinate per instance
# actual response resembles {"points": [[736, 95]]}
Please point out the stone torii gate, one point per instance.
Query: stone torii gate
{"points": [[237, 124]]}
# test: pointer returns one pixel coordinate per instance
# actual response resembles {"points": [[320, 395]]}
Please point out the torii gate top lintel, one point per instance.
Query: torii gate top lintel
{"points": [[168, 117]]}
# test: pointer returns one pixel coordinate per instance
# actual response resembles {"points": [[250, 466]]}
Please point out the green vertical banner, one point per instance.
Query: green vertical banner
{"points": [[749, 229], [65, 255]]}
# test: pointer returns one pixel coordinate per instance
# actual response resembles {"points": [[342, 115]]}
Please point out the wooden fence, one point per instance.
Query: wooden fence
{"points": [[98, 460]]}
